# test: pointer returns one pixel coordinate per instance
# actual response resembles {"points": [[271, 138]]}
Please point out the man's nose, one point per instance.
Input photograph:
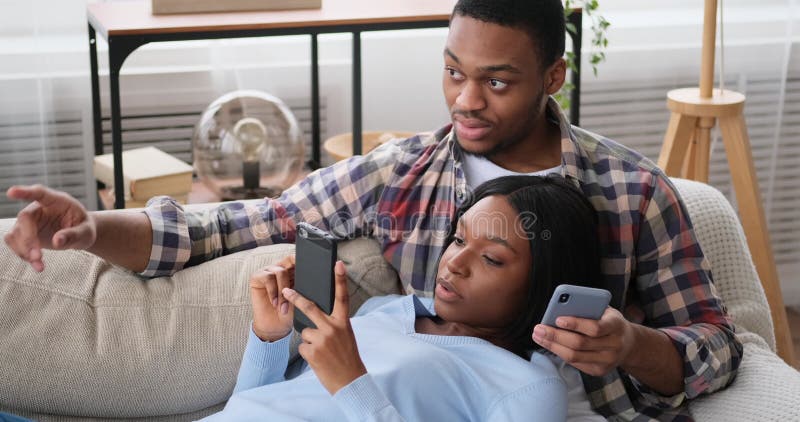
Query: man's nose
{"points": [[471, 97]]}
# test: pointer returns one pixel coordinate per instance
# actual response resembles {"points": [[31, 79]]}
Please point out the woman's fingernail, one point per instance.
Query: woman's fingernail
{"points": [[275, 301], [339, 268], [561, 322], [539, 332], [287, 292], [285, 308]]}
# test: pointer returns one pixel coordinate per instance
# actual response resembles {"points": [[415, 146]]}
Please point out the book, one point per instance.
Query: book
{"points": [[107, 199], [147, 172], [163, 7]]}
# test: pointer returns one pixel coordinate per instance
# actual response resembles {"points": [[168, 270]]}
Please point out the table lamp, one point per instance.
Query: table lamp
{"points": [[247, 145]]}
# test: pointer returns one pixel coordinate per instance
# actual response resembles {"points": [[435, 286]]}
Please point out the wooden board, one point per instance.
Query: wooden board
{"points": [[135, 17], [166, 7]]}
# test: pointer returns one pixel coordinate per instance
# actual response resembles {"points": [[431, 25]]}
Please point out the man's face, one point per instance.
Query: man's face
{"points": [[494, 85]]}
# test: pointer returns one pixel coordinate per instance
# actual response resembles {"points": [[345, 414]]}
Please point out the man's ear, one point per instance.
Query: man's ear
{"points": [[555, 75]]}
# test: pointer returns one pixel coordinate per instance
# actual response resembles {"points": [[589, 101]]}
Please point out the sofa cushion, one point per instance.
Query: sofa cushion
{"points": [[86, 338]]}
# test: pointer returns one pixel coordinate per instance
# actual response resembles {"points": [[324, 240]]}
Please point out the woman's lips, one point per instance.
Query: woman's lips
{"points": [[445, 291], [471, 129]]}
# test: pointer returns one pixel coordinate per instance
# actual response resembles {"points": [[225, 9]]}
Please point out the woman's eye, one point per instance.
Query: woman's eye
{"points": [[492, 261], [458, 241], [497, 84]]}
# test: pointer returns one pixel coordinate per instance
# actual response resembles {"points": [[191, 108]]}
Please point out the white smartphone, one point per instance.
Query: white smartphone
{"points": [[576, 301]]}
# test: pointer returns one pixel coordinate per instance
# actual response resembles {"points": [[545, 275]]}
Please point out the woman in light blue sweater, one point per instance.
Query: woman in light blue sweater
{"points": [[466, 354]]}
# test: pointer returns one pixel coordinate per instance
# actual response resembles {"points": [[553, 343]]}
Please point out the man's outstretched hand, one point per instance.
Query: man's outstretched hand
{"points": [[52, 220]]}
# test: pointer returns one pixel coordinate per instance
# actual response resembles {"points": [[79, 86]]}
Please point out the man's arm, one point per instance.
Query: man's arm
{"points": [[338, 199], [123, 238], [165, 238], [55, 220], [676, 292], [655, 361], [687, 343]]}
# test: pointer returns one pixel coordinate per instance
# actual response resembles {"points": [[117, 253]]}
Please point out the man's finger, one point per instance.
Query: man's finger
{"points": [[32, 256], [341, 305], [611, 322], [38, 193], [309, 308], [70, 238], [26, 233]]}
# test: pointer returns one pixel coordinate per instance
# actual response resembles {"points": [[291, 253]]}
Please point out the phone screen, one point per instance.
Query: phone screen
{"points": [[315, 256]]}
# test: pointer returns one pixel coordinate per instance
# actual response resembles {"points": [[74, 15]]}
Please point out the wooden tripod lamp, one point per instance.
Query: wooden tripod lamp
{"points": [[686, 153]]}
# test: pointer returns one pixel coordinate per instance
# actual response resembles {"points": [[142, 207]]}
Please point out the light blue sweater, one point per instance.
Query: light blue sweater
{"points": [[411, 377]]}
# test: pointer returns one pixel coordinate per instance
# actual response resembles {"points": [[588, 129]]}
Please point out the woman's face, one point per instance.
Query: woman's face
{"points": [[483, 275]]}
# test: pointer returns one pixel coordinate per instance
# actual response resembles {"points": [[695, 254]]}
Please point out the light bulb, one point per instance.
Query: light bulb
{"points": [[251, 135]]}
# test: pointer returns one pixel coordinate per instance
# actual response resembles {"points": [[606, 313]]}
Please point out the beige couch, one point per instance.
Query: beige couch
{"points": [[86, 339]]}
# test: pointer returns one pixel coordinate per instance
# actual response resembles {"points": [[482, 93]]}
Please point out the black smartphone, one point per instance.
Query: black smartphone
{"points": [[315, 256]]}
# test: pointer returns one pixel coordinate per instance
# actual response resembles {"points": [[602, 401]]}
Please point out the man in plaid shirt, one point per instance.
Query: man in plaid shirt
{"points": [[665, 339]]}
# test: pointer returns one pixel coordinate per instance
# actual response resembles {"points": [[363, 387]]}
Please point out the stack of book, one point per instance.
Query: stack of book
{"points": [[147, 172]]}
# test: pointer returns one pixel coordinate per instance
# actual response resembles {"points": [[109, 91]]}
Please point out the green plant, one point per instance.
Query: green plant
{"points": [[598, 44]]}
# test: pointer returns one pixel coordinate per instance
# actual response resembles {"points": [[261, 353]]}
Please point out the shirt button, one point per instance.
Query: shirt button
{"points": [[460, 193]]}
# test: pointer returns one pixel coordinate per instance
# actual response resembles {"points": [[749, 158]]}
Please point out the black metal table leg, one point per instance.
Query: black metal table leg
{"points": [[576, 19], [97, 119], [315, 123], [357, 122], [116, 139], [119, 48]]}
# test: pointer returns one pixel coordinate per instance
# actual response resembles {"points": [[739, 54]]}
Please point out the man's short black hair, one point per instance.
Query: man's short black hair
{"points": [[543, 20]]}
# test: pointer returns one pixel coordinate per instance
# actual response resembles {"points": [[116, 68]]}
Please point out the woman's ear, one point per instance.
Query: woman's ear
{"points": [[555, 75]]}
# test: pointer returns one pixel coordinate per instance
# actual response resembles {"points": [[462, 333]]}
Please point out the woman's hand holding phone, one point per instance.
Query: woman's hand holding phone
{"points": [[272, 313], [595, 347], [330, 349]]}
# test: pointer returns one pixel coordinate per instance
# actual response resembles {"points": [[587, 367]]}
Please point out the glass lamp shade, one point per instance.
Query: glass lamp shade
{"points": [[247, 145]]}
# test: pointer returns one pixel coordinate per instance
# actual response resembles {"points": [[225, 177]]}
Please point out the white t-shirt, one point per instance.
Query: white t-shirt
{"points": [[578, 407], [478, 170]]}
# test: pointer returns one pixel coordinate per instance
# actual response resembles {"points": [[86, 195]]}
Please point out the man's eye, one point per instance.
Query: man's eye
{"points": [[497, 84], [454, 73]]}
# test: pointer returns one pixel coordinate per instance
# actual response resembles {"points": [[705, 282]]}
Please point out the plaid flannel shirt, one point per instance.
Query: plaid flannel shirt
{"points": [[405, 194]]}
